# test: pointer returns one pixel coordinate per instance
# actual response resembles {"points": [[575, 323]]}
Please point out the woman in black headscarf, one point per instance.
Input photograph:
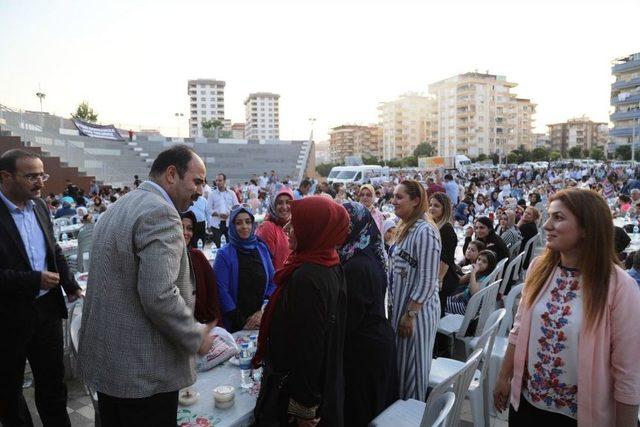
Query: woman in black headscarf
{"points": [[370, 372]]}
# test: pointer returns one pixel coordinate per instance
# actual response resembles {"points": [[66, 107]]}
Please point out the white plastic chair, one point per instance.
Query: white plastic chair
{"points": [[85, 241], [528, 252], [62, 222], [513, 269], [411, 412], [502, 341], [75, 342], [455, 326], [478, 391], [498, 272]]}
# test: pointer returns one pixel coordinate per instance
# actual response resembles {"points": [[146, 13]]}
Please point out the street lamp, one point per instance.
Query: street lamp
{"points": [[178, 116], [41, 96]]}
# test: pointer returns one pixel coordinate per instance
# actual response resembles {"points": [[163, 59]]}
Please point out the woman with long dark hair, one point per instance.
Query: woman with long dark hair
{"points": [[484, 232], [573, 351], [415, 264], [301, 341], [370, 372]]}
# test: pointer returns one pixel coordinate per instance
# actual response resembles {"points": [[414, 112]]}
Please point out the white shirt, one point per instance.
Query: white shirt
{"points": [[220, 202], [263, 181]]}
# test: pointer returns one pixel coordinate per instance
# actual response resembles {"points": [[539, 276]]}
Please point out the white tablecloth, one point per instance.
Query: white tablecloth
{"points": [[240, 414]]}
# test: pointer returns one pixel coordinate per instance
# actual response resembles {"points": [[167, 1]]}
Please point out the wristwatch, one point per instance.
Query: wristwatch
{"points": [[412, 313]]}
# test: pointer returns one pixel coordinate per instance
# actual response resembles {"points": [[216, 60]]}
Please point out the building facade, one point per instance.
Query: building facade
{"points": [[625, 100], [262, 114], [478, 114], [237, 131], [206, 101], [405, 123], [579, 132], [354, 140]]}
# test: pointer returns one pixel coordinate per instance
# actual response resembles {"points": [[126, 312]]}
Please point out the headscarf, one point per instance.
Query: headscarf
{"points": [[373, 193], [250, 243], [272, 215], [460, 214], [189, 215], [320, 225], [387, 225], [363, 234]]}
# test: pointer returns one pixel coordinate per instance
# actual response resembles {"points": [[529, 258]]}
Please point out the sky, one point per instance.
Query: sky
{"points": [[331, 60]]}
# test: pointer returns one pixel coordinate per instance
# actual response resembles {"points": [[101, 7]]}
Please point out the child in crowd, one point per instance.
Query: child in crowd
{"points": [[477, 279]]}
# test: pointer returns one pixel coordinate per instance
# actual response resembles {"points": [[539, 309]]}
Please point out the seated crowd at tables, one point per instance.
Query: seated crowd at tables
{"points": [[346, 285]]}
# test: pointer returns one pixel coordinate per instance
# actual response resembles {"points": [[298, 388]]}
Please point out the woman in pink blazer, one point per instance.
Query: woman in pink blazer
{"points": [[573, 351]]}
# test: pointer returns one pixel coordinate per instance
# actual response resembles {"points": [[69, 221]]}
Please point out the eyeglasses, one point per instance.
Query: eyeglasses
{"points": [[35, 177]]}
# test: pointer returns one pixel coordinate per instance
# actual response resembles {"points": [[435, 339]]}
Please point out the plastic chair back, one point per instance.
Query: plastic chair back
{"points": [[85, 242], [528, 251], [460, 382], [438, 410], [488, 305], [510, 305], [512, 267], [472, 310]]}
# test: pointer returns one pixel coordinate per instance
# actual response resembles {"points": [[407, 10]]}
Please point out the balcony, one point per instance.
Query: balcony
{"points": [[628, 100], [628, 131], [625, 115], [621, 84], [626, 66]]}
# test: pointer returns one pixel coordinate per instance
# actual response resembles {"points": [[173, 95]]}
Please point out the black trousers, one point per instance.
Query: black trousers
{"points": [[528, 415], [159, 410], [219, 232], [38, 338]]}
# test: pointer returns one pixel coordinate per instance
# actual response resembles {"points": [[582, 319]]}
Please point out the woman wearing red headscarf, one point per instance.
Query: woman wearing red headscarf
{"points": [[271, 230], [302, 331]]}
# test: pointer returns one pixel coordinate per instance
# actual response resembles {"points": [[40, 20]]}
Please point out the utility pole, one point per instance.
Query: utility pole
{"points": [[178, 116], [41, 96]]}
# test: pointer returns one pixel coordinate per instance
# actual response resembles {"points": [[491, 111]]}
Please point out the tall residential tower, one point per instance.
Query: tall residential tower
{"points": [[262, 113], [206, 103]]}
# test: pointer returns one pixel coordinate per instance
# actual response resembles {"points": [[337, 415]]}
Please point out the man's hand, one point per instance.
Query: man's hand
{"points": [[49, 280], [75, 296]]}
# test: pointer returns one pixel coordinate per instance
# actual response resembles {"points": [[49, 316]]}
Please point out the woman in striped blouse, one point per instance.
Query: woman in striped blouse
{"points": [[415, 310]]}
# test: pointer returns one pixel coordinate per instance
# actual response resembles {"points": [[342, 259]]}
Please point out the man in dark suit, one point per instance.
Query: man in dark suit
{"points": [[32, 272]]}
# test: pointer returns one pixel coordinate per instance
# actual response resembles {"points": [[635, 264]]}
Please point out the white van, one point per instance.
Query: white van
{"points": [[354, 174]]}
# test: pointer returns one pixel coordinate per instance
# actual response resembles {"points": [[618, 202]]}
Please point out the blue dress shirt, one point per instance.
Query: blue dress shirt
{"points": [[32, 235]]}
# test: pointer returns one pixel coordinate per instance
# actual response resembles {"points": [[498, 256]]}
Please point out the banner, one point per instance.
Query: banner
{"points": [[97, 131]]}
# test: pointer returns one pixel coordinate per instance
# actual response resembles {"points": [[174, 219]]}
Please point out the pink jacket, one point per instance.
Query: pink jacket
{"points": [[609, 355]]}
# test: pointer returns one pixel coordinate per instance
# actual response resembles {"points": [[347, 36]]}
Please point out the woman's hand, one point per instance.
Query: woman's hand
{"points": [[501, 393], [253, 322], [405, 328]]}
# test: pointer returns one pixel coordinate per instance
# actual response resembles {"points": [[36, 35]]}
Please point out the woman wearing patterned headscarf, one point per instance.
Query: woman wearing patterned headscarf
{"points": [[244, 273], [370, 372], [301, 341], [271, 230], [367, 196]]}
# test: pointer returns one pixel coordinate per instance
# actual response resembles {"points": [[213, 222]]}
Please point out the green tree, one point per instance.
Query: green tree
{"points": [[512, 157], [394, 163], [323, 169], [424, 149], [86, 113], [211, 128], [597, 153], [575, 152], [410, 162], [555, 155], [623, 152], [481, 157], [539, 154], [369, 160]]}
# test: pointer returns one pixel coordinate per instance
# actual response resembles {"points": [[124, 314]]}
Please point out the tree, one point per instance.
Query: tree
{"points": [[539, 154], [597, 153], [324, 168], [575, 152], [410, 162], [394, 163], [555, 155], [623, 152], [207, 125], [369, 160], [86, 113], [513, 157], [481, 157], [424, 149]]}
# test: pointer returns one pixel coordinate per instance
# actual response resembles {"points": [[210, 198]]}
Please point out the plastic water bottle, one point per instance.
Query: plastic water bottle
{"points": [[223, 241], [253, 343], [470, 219], [245, 366], [214, 251], [200, 244], [65, 237], [636, 230]]}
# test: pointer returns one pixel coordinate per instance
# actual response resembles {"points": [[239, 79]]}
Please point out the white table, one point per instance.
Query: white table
{"points": [[71, 230], [240, 414]]}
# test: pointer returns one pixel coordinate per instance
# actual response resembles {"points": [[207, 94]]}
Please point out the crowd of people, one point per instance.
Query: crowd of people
{"points": [[345, 284]]}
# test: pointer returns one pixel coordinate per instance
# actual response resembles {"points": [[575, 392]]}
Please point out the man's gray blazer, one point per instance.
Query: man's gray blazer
{"points": [[138, 335]]}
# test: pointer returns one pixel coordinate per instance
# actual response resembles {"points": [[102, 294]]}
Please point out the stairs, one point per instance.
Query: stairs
{"points": [[58, 170]]}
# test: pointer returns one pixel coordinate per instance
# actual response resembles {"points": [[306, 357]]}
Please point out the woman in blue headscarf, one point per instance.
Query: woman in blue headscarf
{"points": [[370, 371], [244, 273], [461, 213]]}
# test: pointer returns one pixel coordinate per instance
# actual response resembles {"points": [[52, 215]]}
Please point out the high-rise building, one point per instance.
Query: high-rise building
{"points": [[405, 124], [206, 103], [262, 111], [541, 140], [478, 114], [625, 100], [354, 140], [579, 132]]}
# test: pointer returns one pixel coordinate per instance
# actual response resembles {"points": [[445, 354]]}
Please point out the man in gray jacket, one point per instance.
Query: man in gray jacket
{"points": [[138, 336]]}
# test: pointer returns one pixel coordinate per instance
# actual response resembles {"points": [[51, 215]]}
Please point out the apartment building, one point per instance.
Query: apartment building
{"points": [[625, 100], [578, 132], [405, 123], [354, 140], [478, 114], [206, 101], [262, 113], [237, 131]]}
